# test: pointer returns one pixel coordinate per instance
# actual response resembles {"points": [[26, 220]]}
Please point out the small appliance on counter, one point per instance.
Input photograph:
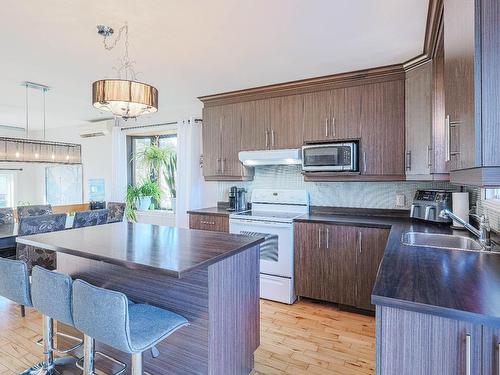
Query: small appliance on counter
{"points": [[427, 204], [237, 199], [97, 205]]}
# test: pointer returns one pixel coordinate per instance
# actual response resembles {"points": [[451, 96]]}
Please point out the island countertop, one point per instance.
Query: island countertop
{"points": [[166, 250]]}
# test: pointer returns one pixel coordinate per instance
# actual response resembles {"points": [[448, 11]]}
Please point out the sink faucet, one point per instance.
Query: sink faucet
{"points": [[482, 234]]}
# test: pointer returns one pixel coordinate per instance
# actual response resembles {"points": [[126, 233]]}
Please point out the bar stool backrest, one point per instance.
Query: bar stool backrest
{"points": [[51, 293], [102, 314], [41, 224], [14, 281]]}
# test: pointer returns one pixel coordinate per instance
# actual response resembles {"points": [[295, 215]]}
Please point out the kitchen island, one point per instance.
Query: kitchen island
{"points": [[210, 278]]}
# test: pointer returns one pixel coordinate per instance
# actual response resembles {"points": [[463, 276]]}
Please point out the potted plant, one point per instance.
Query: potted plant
{"points": [[139, 198], [148, 190]]}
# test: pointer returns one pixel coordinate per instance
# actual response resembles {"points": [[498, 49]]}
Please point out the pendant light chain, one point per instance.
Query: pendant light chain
{"points": [[27, 117], [127, 65]]}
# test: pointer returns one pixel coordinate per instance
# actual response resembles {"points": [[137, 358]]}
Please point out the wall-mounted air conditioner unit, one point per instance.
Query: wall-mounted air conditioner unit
{"points": [[97, 129]]}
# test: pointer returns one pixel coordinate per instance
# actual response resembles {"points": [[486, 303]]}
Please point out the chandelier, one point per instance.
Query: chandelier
{"points": [[38, 151], [125, 98]]}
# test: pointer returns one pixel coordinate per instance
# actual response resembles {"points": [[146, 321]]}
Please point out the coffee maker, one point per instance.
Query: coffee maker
{"points": [[237, 199], [233, 193]]}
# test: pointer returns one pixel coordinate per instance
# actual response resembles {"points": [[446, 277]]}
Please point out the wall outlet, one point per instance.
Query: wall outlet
{"points": [[400, 200]]}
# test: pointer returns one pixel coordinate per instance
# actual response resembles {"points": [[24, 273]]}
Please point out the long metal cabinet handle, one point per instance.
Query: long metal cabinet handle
{"points": [[319, 238], [272, 137], [267, 138], [364, 162], [333, 127], [429, 159], [448, 137], [468, 363], [408, 160], [360, 242], [326, 127], [327, 238]]}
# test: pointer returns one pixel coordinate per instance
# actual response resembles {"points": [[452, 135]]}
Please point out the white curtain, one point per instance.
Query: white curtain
{"points": [[119, 165], [190, 182]]}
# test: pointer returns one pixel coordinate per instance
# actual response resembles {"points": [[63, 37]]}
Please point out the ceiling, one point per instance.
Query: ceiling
{"points": [[188, 48]]}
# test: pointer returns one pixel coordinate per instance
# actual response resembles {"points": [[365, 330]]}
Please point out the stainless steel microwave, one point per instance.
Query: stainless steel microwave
{"points": [[336, 156]]}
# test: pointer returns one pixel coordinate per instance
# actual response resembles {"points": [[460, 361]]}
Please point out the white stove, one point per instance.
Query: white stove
{"points": [[272, 215]]}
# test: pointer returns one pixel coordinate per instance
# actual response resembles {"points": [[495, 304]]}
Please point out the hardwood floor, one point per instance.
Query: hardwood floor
{"points": [[305, 338]]}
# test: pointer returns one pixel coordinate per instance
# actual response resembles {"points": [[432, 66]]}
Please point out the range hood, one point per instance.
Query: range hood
{"points": [[270, 157]]}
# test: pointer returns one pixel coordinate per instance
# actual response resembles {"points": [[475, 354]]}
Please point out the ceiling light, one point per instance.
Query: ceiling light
{"points": [[38, 151], [126, 98]]}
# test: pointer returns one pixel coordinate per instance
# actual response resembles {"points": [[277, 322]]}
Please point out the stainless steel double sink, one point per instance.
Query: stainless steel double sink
{"points": [[441, 241]]}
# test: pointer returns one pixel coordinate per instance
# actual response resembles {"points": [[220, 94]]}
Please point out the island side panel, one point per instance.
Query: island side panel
{"points": [[234, 335], [185, 351]]}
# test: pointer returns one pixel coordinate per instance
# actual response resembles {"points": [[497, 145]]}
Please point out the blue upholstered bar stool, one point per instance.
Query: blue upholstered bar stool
{"points": [[109, 317], [15, 285], [51, 294]]}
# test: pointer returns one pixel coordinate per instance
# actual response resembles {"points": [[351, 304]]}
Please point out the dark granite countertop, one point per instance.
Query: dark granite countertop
{"points": [[220, 211], [451, 283], [166, 250]]}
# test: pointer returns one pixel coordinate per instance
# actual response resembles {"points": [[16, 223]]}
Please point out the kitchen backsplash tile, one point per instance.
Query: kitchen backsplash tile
{"points": [[340, 194]]}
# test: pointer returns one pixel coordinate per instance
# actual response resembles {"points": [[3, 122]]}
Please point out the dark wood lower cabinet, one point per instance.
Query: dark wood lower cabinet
{"points": [[215, 223], [338, 263], [412, 343], [491, 351]]}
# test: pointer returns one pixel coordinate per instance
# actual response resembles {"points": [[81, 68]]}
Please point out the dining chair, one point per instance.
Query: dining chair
{"points": [[116, 212], [33, 210], [90, 218], [34, 256], [6, 215]]}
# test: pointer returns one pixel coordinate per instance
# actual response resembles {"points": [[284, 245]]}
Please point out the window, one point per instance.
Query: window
{"points": [[6, 189], [492, 194], [63, 184], [139, 172]]}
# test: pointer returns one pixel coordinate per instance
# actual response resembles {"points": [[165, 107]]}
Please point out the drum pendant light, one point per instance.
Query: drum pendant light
{"points": [[125, 98]]}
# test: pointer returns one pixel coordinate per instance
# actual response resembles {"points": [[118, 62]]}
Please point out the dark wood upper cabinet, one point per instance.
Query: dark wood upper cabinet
{"points": [[332, 114], [221, 135], [255, 125], [472, 91], [383, 129], [285, 122]]}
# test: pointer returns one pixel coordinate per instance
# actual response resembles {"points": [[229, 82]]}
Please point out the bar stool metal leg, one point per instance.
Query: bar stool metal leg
{"points": [[88, 355], [51, 366], [136, 364]]}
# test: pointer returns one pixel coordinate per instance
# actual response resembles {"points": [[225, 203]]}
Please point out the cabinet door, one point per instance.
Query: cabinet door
{"points": [[382, 129], [211, 141], [412, 343], [459, 45], [230, 138], [349, 127], [255, 125], [317, 115], [371, 243], [418, 118], [491, 351], [285, 123], [325, 115], [340, 245], [325, 260]]}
